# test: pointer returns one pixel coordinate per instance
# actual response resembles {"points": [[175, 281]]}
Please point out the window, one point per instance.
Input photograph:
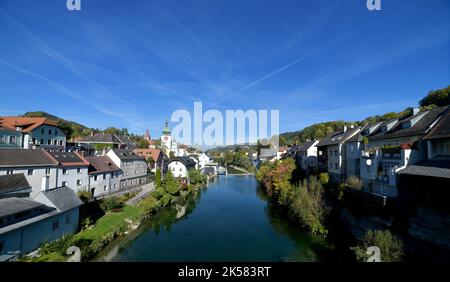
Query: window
{"points": [[2, 139], [335, 152], [336, 166], [47, 171], [65, 171], [79, 182], [55, 224], [42, 130], [9, 171], [49, 142], [112, 175], [60, 142], [95, 177], [64, 184], [30, 172], [68, 219], [104, 176], [55, 142], [12, 140], [78, 170], [1, 246], [104, 188], [41, 142], [49, 132]]}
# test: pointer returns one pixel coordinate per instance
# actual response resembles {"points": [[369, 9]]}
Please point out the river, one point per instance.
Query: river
{"points": [[230, 220]]}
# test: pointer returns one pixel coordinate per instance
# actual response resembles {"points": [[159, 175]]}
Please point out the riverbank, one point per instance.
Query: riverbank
{"points": [[115, 223], [230, 221]]}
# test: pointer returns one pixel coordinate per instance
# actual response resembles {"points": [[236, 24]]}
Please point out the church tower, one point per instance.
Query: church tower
{"points": [[166, 138]]}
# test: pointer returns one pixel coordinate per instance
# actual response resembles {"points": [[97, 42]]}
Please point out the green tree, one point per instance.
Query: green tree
{"points": [[439, 98], [169, 190], [196, 177], [391, 248], [158, 178], [308, 206]]}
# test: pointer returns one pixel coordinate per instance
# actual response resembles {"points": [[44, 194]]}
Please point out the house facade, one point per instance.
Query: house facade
{"points": [[72, 170], [36, 132], [392, 147], [180, 166], [331, 153], [38, 167], [424, 183], [133, 166], [306, 155], [10, 138], [104, 176], [26, 223]]}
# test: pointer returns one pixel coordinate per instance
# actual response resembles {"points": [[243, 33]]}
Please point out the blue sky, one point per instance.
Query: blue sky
{"points": [[132, 63]]}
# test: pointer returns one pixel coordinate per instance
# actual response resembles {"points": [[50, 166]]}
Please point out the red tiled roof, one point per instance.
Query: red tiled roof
{"points": [[153, 153], [27, 123]]}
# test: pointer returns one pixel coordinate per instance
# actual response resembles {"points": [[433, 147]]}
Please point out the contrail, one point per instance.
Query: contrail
{"points": [[264, 78]]}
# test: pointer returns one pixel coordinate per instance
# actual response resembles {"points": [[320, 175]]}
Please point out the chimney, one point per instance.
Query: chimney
{"points": [[45, 184], [345, 128], [416, 111]]}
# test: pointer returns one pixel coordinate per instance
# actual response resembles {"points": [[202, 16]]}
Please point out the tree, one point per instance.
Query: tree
{"points": [[196, 177], [308, 206], [391, 248], [439, 98], [169, 189], [158, 178]]}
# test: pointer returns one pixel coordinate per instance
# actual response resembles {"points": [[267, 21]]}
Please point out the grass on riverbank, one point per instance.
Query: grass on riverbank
{"points": [[92, 239]]}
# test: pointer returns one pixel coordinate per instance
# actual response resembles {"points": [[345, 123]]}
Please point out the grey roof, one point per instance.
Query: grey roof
{"points": [[421, 127], [305, 146], [337, 137], [63, 198], [188, 162], [107, 138], [441, 129], [67, 157], [127, 155], [431, 168], [11, 206], [13, 182], [101, 164], [25, 157]]}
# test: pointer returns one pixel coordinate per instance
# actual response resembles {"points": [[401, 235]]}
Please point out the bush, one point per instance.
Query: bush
{"points": [[353, 181], [110, 204], [196, 177], [84, 195], [158, 178], [324, 178], [391, 248], [308, 206]]}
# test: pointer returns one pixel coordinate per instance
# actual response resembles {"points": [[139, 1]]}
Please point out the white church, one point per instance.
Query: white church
{"points": [[169, 144]]}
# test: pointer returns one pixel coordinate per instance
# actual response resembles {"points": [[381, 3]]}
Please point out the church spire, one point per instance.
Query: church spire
{"points": [[166, 129]]}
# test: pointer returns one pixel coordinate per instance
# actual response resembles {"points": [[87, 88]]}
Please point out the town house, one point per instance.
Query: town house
{"points": [[104, 175], [133, 166], [36, 132]]}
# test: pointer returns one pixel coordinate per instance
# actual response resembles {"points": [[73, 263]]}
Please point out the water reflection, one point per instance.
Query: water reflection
{"points": [[231, 220]]}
